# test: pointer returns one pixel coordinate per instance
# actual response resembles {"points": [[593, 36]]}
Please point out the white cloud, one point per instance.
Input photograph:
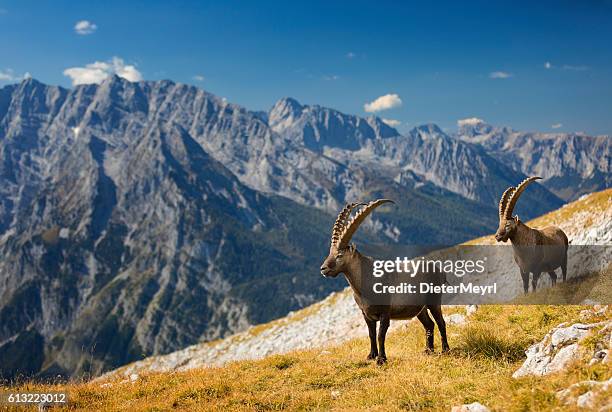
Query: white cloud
{"points": [[556, 126], [392, 122], [470, 121], [8, 75], [85, 27], [331, 77], [350, 55], [580, 68], [388, 101], [98, 71], [500, 75], [568, 67], [198, 78]]}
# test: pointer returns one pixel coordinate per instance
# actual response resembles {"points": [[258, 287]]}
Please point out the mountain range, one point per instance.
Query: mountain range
{"points": [[571, 164], [139, 218]]}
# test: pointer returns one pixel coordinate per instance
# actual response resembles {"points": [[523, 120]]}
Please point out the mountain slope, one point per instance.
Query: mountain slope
{"points": [[337, 318], [142, 249], [126, 238]]}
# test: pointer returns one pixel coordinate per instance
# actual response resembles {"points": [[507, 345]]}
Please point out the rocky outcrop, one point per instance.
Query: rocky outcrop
{"points": [[562, 347], [471, 407], [456, 319], [586, 394]]}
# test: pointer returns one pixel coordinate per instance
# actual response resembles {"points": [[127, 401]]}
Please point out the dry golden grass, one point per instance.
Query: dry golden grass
{"points": [[479, 368]]}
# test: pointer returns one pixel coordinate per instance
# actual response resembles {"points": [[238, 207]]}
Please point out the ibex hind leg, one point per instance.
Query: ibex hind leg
{"points": [[525, 277], [428, 324], [534, 280], [382, 333], [553, 277], [436, 312]]}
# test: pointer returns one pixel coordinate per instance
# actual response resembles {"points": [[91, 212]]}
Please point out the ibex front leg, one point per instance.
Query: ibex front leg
{"points": [[382, 333], [372, 331]]}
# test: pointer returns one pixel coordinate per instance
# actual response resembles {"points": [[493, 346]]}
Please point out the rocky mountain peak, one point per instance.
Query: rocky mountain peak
{"points": [[428, 129], [317, 127], [473, 127], [382, 129], [288, 105]]}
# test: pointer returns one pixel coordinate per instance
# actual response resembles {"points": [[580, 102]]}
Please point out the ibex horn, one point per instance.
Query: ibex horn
{"points": [[516, 194], [340, 223], [504, 201], [356, 221]]}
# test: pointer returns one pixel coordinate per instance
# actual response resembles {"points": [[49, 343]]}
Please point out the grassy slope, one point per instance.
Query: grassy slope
{"points": [[479, 368], [485, 354]]}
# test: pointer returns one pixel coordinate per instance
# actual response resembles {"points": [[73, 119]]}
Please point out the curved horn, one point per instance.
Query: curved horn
{"points": [[504, 201], [357, 220], [516, 194], [341, 221]]}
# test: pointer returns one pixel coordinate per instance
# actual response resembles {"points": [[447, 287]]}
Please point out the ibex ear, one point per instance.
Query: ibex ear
{"points": [[516, 219], [351, 247]]}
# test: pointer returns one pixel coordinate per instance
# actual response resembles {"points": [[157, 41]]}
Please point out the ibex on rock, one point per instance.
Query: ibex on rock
{"points": [[535, 251], [358, 270]]}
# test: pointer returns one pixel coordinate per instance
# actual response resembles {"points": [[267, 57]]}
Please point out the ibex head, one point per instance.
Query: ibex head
{"points": [[340, 251], [507, 222]]}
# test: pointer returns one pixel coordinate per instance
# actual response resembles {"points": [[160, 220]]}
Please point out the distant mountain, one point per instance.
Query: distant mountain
{"points": [[317, 127], [139, 218], [570, 163], [424, 155]]}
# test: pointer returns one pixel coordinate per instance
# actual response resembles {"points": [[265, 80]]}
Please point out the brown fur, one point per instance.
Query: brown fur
{"points": [[357, 269], [535, 251]]}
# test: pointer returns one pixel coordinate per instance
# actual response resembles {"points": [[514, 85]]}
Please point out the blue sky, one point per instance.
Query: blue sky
{"points": [[528, 66]]}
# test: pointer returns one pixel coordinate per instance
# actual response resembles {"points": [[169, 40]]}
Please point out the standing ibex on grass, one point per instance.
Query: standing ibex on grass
{"points": [[535, 251], [358, 270]]}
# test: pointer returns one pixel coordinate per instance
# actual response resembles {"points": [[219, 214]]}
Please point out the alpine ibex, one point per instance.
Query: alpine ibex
{"points": [[358, 269], [535, 251]]}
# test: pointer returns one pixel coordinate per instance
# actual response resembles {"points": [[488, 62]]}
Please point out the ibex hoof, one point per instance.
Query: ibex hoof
{"points": [[428, 351], [372, 356], [381, 361], [446, 349]]}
